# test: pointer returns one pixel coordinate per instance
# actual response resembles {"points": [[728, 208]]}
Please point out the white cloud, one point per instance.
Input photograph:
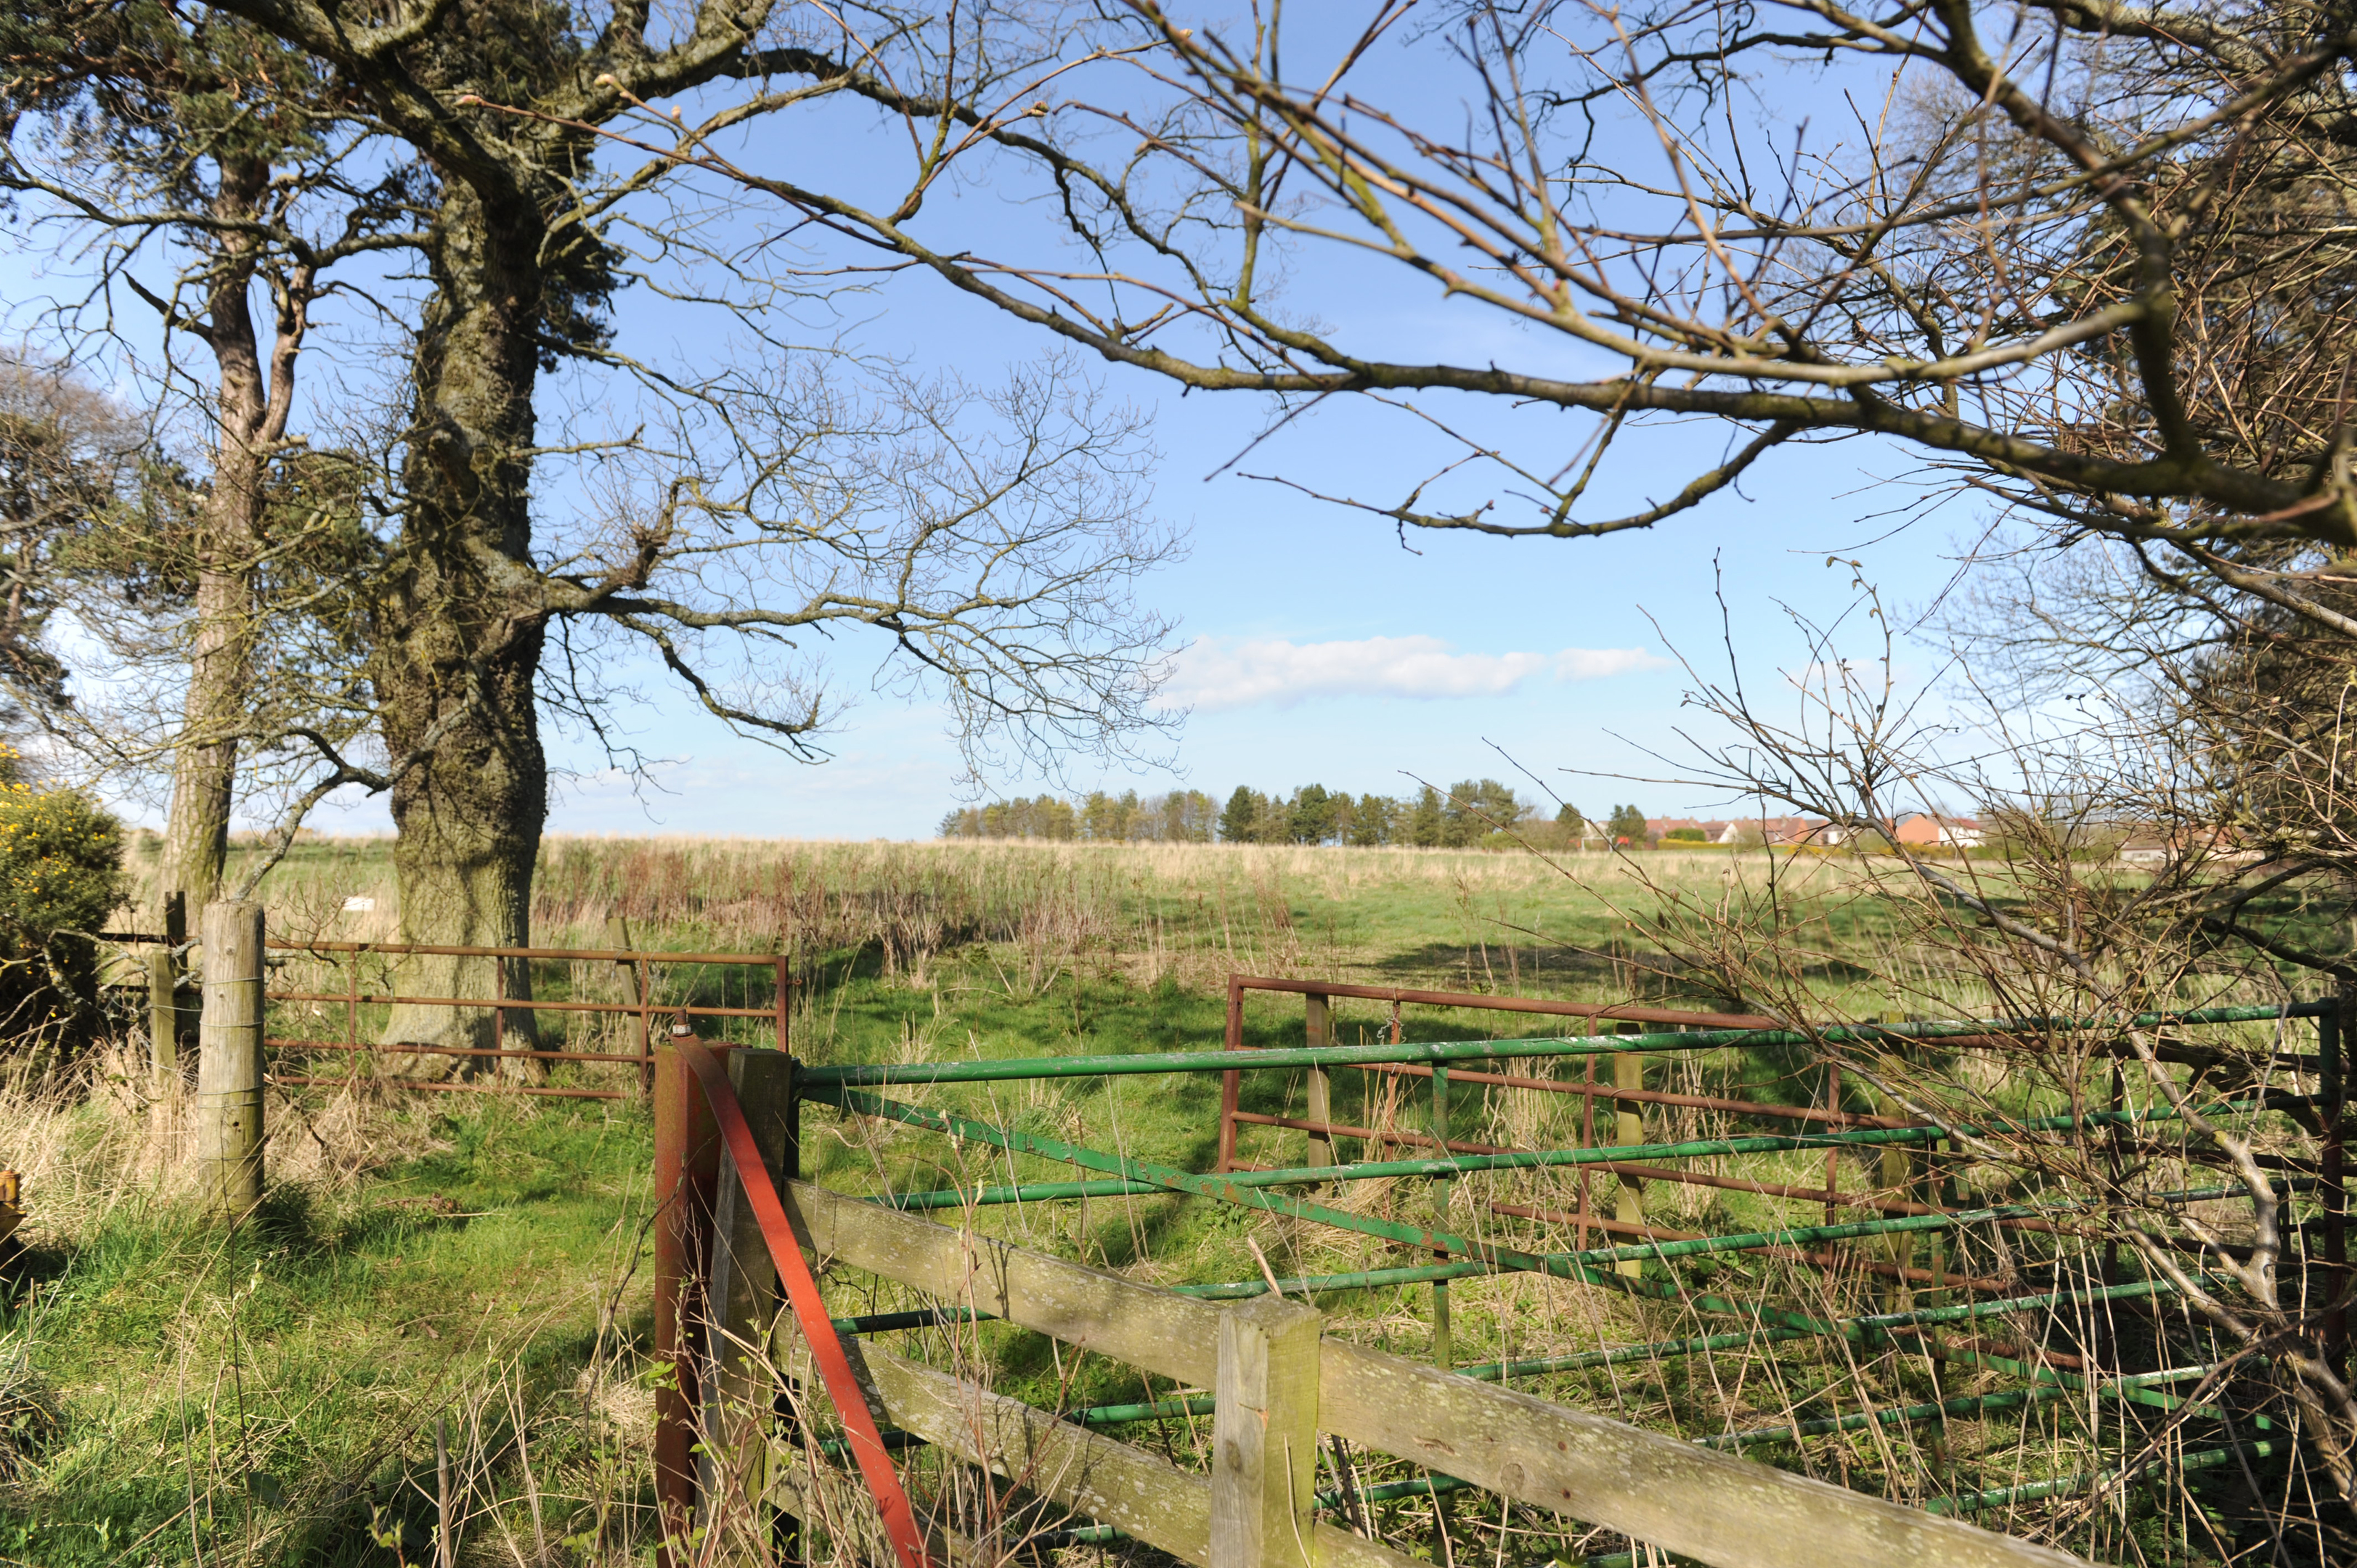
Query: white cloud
{"points": [[1593, 663], [1213, 674]]}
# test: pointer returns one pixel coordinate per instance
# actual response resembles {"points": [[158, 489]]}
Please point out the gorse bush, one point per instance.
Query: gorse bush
{"points": [[61, 860], [60, 877]]}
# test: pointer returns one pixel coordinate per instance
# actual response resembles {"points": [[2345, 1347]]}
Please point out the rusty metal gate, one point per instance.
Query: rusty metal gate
{"points": [[351, 959]]}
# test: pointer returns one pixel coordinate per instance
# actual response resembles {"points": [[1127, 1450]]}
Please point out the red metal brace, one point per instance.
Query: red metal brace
{"points": [[802, 1290]]}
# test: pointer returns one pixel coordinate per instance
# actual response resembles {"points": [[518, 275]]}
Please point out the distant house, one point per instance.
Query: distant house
{"points": [[2149, 845], [1687, 830], [1951, 832], [1784, 831]]}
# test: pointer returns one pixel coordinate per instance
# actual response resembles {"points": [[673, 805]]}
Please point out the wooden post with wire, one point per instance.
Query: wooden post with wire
{"points": [[1231, 1082], [1319, 1031], [1834, 1122], [1900, 1168], [229, 1058], [166, 1021], [1443, 1346], [163, 1022], [634, 972], [175, 937], [781, 997], [1586, 1141], [1629, 1072]]}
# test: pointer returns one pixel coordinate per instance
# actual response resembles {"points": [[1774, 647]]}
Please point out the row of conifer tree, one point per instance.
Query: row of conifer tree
{"points": [[1469, 813]]}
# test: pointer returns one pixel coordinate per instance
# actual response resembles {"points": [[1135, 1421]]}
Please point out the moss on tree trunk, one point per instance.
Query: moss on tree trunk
{"points": [[461, 624]]}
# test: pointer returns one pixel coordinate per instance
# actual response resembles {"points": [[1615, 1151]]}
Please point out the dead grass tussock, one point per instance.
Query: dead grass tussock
{"points": [[289, 1403], [85, 1151]]}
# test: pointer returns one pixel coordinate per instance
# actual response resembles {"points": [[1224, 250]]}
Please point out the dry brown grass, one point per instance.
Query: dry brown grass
{"points": [[263, 1388], [1185, 914]]}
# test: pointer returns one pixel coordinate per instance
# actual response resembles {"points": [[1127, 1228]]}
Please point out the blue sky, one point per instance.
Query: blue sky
{"points": [[1315, 647], [1319, 649], [1322, 651]]}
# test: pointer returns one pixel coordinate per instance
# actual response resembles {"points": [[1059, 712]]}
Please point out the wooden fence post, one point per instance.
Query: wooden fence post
{"points": [[1898, 1169], [175, 937], [168, 1021], [687, 1149], [1930, 1190], [1264, 1436], [1628, 1206], [634, 972], [1231, 1082], [229, 1058], [1320, 1032], [1443, 1343], [732, 1470], [163, 1021], [1835, 1123]]}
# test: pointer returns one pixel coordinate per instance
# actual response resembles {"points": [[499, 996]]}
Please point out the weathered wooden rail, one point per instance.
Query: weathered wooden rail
{"points": [[1277, 1380]]}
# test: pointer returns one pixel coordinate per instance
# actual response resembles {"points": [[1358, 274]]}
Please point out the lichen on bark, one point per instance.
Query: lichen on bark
{"points": [[460, 622]]}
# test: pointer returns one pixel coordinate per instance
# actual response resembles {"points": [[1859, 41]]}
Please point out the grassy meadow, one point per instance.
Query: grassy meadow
{"points": [[475, 1265]]}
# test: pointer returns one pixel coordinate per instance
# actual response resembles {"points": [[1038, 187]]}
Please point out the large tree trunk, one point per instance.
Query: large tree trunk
{"points": [[249, 416], [204, 771], [457, 646]]}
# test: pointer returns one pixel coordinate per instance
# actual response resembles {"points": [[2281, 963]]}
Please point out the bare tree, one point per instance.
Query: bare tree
{"points": [[993, 560], [989, 536], [2234, 882], [2081, 258]]}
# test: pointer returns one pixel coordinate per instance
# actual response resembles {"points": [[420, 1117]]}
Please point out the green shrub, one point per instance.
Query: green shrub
{"points": [[60, 877]]}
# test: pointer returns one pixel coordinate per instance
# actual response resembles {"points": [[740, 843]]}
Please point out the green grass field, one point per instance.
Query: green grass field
{"points": [[176, 1394]]}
